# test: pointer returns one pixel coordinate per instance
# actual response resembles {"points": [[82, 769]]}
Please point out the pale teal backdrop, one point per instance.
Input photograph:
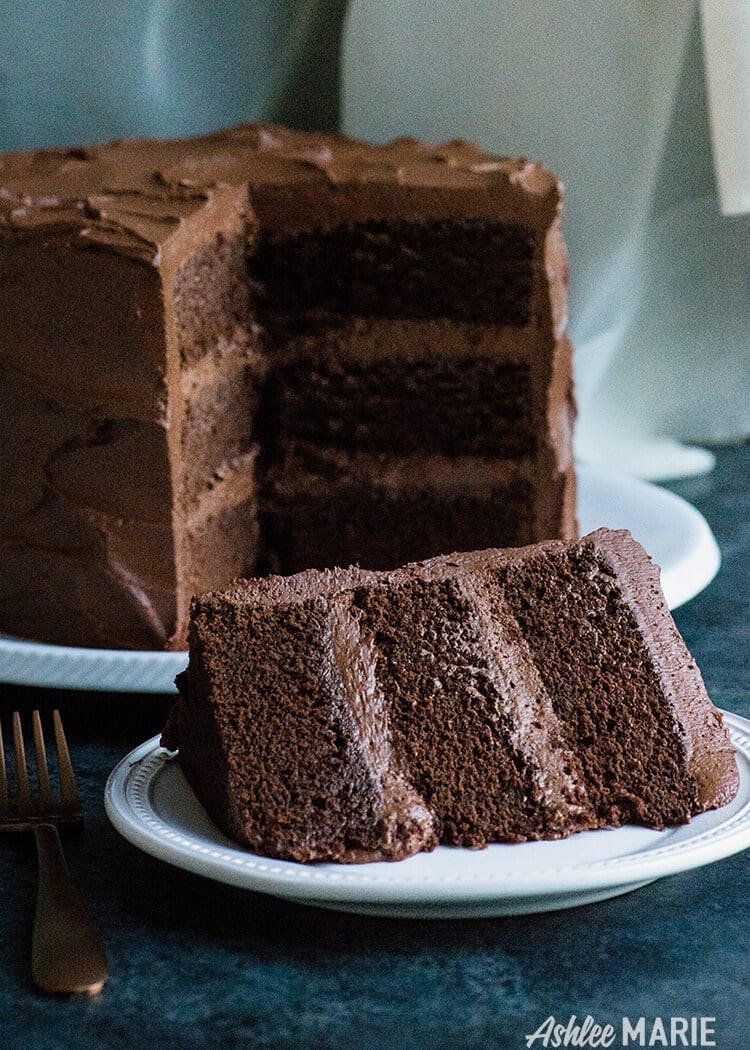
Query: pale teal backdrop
{"points": [[87, 70]]}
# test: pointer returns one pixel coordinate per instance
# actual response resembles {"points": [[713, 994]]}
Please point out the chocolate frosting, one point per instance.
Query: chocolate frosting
{"points": [[91, 246], [132, 195]]}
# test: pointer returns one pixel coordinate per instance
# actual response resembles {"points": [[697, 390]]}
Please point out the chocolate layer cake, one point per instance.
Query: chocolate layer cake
{"points": [[269, 350], [500, 695]]}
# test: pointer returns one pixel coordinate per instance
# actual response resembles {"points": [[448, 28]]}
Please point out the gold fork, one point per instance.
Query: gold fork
{"points": [[67, 954]]}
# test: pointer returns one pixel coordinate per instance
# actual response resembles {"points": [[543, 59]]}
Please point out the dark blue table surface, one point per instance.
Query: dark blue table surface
{"points": [[197, 964]]}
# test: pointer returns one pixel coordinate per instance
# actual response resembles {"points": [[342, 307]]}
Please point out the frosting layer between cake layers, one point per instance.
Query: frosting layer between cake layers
{"points": [[471, 698], [262, 348]]}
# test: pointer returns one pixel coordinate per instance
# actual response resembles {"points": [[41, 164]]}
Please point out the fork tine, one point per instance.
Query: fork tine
{"points": [[25, 808], [4, 800], [42, 771], [68, 790]]}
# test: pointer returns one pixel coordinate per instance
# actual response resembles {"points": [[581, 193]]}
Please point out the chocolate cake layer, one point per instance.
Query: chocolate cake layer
{"points": [[212, 298], [635, 767], [372, 522], [220, 413], [465, 269], [324, 505], [222, 533], [463, 407], [471, 698]]}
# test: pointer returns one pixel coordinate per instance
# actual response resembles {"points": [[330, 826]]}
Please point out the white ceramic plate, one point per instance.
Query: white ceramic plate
{"points": [[150, 803], [672, 531]]}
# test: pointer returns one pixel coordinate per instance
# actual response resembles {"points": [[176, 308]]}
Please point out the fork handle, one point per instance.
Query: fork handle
{"points": [[66, 954]]}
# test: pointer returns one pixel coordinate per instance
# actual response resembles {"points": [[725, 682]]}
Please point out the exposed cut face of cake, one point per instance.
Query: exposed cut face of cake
{"points": [[268, 351], [493, 696]]}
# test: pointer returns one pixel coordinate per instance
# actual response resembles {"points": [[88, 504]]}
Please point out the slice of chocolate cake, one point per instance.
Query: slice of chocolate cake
{"points": [[500, 695]]}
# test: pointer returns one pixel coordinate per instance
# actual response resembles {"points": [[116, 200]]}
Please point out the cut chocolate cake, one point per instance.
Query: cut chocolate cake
{"points": [[269, 350], [500, 695]]}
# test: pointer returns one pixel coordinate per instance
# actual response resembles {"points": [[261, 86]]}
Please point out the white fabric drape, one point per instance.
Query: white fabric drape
{"points": [[726, 47]]}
